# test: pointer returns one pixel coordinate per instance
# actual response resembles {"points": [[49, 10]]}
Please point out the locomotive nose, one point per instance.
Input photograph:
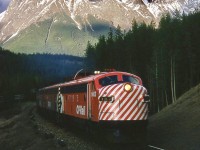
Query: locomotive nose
{"points": [[124, 101]]}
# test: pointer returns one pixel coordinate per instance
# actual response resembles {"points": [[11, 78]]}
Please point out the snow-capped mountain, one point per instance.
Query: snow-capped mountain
{"points": [[65, 26]]}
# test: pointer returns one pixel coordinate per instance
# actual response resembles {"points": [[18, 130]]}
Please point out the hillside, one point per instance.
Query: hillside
{"points": [[177, 127], [56, 37]]}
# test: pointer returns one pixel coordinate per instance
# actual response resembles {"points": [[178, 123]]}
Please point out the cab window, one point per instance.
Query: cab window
{"points": [[108, 80], [130, 79]]}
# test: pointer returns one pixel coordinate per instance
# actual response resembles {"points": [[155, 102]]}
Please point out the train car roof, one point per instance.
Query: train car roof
{"points": [[84, 79]]}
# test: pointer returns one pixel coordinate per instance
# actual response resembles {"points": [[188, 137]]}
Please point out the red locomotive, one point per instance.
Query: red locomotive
{"points": [[113, 100]]}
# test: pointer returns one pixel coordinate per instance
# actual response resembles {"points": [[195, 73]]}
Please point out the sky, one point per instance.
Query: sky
{"points": [[4, 5]]}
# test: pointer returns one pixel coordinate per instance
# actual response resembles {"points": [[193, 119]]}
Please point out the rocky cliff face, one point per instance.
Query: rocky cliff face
{"points": [[65, 26]]}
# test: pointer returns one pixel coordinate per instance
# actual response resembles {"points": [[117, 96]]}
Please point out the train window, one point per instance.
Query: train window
{"points": [[74, 88], [131, 79], [108, 80]]}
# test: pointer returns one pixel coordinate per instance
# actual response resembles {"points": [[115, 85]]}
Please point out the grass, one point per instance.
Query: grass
{"points": [[177, 126]]}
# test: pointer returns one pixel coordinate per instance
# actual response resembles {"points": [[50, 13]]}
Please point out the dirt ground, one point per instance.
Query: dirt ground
{"points": [[25, 129], [17, 131], [22, 128]]}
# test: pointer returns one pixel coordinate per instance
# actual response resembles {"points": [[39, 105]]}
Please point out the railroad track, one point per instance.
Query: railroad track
{"points": [[155, 147], [50, 128]]}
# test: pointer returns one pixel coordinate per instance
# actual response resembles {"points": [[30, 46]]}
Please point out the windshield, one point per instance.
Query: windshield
{"points": [[108, 80], [131, 79]]}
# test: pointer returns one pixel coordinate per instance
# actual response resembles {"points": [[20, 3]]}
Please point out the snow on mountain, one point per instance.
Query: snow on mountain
{"points": [[2, 15], [20, 15]]}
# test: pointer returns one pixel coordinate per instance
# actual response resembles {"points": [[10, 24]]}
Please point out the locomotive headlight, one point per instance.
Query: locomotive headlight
{"points": [[128, 87], [96, 72]]}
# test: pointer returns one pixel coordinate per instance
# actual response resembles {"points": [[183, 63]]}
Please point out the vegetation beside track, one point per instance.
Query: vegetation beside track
{"points": [[177, 126]]}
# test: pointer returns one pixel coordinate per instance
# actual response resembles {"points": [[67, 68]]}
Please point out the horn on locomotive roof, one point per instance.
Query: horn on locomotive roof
{"points": [[77, 74], [82, 73]]}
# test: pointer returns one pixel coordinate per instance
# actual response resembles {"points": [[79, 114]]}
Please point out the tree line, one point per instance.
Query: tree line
{"points": [[166, 58], [22, 74]]}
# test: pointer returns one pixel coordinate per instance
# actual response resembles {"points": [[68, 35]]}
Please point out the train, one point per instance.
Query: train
{"points": [[111, 101]]}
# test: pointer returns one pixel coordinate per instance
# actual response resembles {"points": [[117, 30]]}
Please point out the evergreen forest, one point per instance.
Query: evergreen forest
{"points": [[167, 58], [22, 74]]}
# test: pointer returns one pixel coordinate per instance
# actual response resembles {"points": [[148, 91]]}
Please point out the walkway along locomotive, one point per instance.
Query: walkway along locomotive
{"points": [[113, 101]]}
